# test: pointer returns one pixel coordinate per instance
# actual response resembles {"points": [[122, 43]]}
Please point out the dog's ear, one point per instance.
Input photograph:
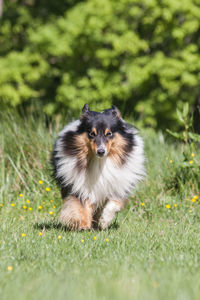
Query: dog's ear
{"points": [[85, 111], [116, 112]]}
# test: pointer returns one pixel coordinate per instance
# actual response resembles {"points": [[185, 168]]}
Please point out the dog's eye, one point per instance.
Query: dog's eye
{"points": [[109, 133], [92, 134]]}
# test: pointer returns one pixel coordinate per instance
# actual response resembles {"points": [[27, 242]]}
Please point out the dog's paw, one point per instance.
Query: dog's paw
{"points": [[104, 223]]}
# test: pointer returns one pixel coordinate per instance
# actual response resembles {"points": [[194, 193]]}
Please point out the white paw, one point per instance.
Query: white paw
{"points": [[104, 223]]}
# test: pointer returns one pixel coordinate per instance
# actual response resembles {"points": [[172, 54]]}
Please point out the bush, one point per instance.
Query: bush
{"points": [[143, 56]]}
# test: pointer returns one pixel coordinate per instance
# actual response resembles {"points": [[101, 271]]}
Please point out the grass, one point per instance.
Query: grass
{"points": [[150, 251]]}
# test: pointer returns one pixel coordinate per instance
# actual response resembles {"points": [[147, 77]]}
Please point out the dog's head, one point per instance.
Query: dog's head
{"points": [[105, 131]]}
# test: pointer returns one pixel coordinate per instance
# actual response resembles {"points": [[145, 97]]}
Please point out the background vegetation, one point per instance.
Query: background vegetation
{"points": [[143, 56]]}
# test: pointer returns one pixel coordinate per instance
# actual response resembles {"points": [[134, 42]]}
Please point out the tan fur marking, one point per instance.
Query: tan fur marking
{"points": [[115, 148], [94, 130], [93, 146], [107, 131], [84, 153], [76, 216]]}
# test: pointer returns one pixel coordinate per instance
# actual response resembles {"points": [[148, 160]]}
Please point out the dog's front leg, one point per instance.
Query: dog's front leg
{"points": [[76, 215], [111, 208]]}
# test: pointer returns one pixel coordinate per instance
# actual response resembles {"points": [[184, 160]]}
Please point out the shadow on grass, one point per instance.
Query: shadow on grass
{"points": [[55, 225]]}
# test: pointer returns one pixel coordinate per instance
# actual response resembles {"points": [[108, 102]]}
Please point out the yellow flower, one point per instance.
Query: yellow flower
{"points": [[171, 161], [95, 238], [155, 284], [59, 237], [54, 206], [1, 204], [175, 205], [24, 207], [82, 241], [40, 233], [21, 218], [12, 204], [193, 155], [143, 204], [28, 201], [23, 234], [20, 195], [168, 206], [190, 210], [47, 189], [40, 207], [193, 200], [10, 268], [40, 182], [51, 212], [30, 208], [107, 240], [44, 202], [191, 162], [51, 201]]}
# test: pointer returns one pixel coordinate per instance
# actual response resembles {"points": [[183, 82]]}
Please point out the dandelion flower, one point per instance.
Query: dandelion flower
{"points": [[143, 204], [23, 234], [51, 212], [95, 238], [47, 189], [40, 233], [54, 206], [191, 162], [30, 208], [40, 182], [59, 237], [175, 205], [171, 161], [40, 207], [12, 204], [21, 195], [10, 268], [195, 198], [51, 201], [24, 207], [107, 240], [28, 201], [193, 155], [82, 241], [168, 206]]}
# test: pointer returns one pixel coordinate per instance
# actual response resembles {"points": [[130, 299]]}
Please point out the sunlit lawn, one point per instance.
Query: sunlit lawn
{"points": [[150, 252]]}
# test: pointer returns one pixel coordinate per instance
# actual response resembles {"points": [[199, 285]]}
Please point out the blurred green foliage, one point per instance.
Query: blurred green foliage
{"points": [[142, 56]]}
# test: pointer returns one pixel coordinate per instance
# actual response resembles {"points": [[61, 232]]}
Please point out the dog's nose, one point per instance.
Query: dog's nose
{"points": [[100, 152]]}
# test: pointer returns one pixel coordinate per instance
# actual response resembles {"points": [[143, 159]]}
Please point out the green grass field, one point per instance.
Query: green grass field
{"points": [[151, 251]]}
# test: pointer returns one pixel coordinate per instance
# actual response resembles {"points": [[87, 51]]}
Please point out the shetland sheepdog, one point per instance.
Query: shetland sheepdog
{"points": [[97, 160]]}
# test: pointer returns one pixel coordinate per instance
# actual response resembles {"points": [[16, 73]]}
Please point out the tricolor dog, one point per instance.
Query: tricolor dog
{"points": [[97, 161]]}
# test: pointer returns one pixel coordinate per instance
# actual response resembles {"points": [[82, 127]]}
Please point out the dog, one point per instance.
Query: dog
{"points": [[97, 160]]}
